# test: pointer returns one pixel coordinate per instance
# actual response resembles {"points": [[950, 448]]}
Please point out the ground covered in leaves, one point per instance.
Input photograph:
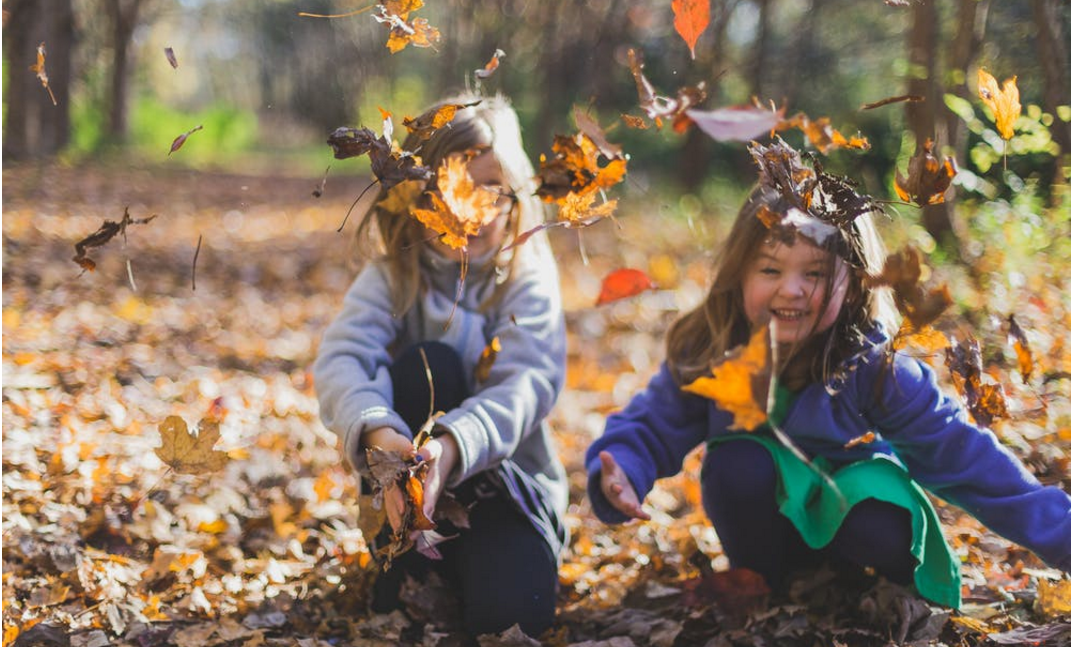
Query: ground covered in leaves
{"points": [[103, 545]]}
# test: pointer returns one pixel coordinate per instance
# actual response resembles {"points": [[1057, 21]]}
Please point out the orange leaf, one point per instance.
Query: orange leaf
{"points": [[690, 18], [902, 272], [487, 360], [822, 135], [487, 70], [865, 439], [740, 383], [1022, 349], [463, 208], [414, 487], [623, 283], [434, 119], [658, 107], [187, 453], [576, 208], [985, 401], [1003, 101], [39, 70], [927, 177], [575, 169]]}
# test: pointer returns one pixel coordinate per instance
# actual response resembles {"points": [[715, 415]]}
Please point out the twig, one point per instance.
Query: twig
{"points": [[305, 14], [130, 275], [350, 210], [193, 275]]}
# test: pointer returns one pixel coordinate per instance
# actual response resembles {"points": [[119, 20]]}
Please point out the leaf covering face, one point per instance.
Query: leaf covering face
{"points": [[740, 383]]}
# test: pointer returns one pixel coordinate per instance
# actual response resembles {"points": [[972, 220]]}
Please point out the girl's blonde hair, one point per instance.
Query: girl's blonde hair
{"points": [[701, 337], [400, 239]]}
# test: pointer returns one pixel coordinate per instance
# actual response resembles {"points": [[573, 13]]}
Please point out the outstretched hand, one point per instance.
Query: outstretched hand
{"points": [[618, 489]]}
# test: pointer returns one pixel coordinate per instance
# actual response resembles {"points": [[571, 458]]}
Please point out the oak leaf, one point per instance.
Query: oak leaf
{"points": [[463, 207], [740, 383], [690, 19], [623, 283], [1003, 101], [187, 453], [927, 177]]}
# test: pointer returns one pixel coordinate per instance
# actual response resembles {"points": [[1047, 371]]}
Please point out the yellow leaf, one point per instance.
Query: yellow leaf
{"points": [[462, 208], [1054, 598], [187, 453], [1003, 101], [740, 383], [576, 207], [487, 360]]}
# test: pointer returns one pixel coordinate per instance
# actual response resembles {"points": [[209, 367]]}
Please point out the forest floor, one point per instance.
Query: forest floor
{"points": [[104, 545]]}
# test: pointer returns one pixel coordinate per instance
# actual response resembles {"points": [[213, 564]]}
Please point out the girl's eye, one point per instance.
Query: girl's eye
{"points": [[816, 275], [769, 271]]}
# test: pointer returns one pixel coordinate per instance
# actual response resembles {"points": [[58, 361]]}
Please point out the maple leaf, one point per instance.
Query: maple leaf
{"points": [[1003, 101], [623, 283], [487, 360], [435, 118], [902, 272], [463, 207], [404, 32], [737, 123], [985, 401], [575, 169], [181, 139], [187, 453], [170, 54], [690, 18], [658, 107], [927, 177], [740, 383], [39, 69], [107, 231], [1022, 349]]}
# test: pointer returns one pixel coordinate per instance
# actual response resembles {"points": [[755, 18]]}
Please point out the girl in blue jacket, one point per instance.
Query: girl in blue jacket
{"points": [[416, 297], [838, 381]]}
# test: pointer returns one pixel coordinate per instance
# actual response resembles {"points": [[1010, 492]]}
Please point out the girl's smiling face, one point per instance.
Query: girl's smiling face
{"points": [[788, 284]]}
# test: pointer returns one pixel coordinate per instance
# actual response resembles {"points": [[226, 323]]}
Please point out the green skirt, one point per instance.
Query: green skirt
{"points": [[817, 510]]}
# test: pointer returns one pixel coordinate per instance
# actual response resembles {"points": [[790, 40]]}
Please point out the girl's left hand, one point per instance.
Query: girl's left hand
{"points": [[441, 452]]}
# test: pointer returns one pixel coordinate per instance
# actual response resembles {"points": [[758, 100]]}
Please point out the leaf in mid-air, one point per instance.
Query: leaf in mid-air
{"points": [[740, 383], [902, 272], [1003, 101], [690, 18], [39, 69], [985, 401], [822, 135], [460, 208], [390, 166], [487, 360], [107, 231], [737, 123], [575, 169], [181, 139], [187, 453], [170, 54], [1022, 349], [435, 118], [623, 283], [927, 177], [487, 70], [658, 107]]}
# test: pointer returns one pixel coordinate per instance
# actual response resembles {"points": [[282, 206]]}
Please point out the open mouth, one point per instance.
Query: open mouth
{"points": [[784, 314]]}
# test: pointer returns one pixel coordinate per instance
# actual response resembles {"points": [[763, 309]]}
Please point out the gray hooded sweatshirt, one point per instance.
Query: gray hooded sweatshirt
{"points": [[501, 426]]}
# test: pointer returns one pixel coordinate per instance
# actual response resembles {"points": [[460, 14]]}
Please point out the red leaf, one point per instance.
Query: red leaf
{"points": [[623, 283], [181, 139], [690, 18]]}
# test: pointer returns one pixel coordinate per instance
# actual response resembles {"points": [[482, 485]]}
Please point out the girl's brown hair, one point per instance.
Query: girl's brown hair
{"points": [[701, 337], [400, 239]]}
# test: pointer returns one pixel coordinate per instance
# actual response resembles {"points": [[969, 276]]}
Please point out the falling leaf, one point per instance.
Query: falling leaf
{"points": [[737, 123], [902, 272], [319, 191], [187, 453], [911, 98], [822, 135], [658, 107], [576, 209], [594, 132], [404, 32], [181, 139], [460, 208], [39, 69], [426, 124], [109, 230], [740, 383], [390, 166], [927, 177], [781, 169], [1022, 349], [865, 439], [623, 283], [575, 169], [170, 54], [927, 338], [634, 122], [487, 70], [985, 401], [690, 18], [487, 360], [1003, 101]]}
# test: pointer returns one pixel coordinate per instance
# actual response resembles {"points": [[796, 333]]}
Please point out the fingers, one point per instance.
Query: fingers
{"points": [[618, 489]]}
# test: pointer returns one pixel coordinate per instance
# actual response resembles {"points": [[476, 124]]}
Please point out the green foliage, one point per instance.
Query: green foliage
{"points": [[227, 132]]}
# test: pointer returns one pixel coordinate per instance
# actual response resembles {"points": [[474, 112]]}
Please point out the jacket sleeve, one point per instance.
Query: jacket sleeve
{"points": [[351, 374], [649, 439], [524, 381], [966, 464]]}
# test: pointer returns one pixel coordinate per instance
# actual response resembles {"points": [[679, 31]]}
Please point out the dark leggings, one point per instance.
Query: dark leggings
{"points": [[503, 569], [739, 495]]}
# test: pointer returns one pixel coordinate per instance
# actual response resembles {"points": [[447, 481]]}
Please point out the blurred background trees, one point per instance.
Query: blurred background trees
{"points": [[268, 84]]}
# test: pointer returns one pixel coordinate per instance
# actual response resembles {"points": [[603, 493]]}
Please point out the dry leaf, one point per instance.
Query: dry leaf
{"points": [[623, 283], [463, 207], [690, 18], [39, 69], [487, 70], [187, 453], [822, 135], [487, 360], [404, 32], [435, 118], [110, 229], [902, 272], [575, 169], [170, 54], [737, 123], [740, 383], [181, 139], [390, 166], [985, 401], [927, 177], [658, 107], [1022, 349], [910, 98], [865, 439], [1003, 101]]}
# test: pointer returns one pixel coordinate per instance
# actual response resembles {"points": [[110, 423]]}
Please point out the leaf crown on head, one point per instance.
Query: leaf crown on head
{"points": [[821, 206]]}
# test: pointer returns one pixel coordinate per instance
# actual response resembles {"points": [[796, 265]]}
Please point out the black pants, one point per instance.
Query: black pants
{"points": [[502, 568]]}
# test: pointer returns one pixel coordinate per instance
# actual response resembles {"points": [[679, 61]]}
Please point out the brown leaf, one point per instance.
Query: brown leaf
{"points": [[1022, 349], [107, 231], [170, 54], [575, 169], [404, 32], [1003, 101], [181, 139], [658, 107], [984, 401], [902, 272], [690, 18], [426, 124], [390, 166], [911, 98], [387, 467], [865, 439], [594, 132], [927, 177], [740, 383], [634, 122], [39, 69], [623, 283], [822, 135], [187, 453]]}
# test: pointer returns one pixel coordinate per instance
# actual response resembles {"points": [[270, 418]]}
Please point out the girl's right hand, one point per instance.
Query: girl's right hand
{"points": [[387, 438], [618, 489]]}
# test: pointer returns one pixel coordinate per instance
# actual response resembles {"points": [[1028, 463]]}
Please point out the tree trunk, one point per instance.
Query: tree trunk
{"points": [[760, 50], [123, 15], [970, 21], [921, 116], [1052, 55], [33, 125]]}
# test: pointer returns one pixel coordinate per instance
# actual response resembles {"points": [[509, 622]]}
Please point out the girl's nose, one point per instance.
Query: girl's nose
{"points": [[792, 286]]}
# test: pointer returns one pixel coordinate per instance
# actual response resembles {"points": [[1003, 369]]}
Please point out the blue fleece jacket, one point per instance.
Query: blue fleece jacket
{"points": [[916, 424]]}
